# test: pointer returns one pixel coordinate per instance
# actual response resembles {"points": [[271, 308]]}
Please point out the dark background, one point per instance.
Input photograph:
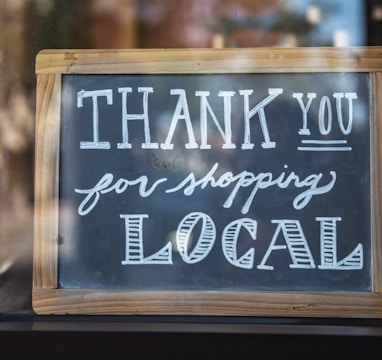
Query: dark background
{"points": [[92, 246]]}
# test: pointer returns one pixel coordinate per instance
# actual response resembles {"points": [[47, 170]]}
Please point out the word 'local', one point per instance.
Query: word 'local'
{"points": [[295, 242], [181, 112]]}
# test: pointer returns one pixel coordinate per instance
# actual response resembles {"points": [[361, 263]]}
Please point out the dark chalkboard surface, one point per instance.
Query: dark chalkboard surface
{"points": [[209, 182], [273, 168]]}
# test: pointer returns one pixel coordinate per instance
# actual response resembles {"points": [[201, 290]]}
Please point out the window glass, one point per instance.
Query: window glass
{"points": [[27, 26]]}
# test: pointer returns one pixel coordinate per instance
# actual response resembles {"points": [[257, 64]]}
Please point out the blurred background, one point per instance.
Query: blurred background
{"points": [[27, 26]]}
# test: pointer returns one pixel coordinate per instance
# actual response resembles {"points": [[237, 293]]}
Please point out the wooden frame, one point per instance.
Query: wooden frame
{"points": [[51, 65]]}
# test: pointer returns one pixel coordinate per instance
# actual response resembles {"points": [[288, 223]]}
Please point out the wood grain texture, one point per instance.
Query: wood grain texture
{"points": [[376, 169], [291, 304], [177, 61], [46, 180], [51, 64]]}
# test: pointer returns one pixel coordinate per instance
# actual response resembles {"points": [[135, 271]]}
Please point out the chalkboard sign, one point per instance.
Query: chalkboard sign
{"points": [[244, 182]]}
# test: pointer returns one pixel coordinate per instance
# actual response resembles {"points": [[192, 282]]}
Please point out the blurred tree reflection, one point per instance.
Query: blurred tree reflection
{"points": [[16, 123], [25, 28]]}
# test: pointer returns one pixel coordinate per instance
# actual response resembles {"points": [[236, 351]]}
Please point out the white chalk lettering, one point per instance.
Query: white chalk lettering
{"points": [[314, 185], [295, 243], [134, 244], [108, 93], [227, 95], [354, 261], [205, 241], [230, 237], [181, 113], [104, 186], [125, 144], [325, 106], [325, 121], [259, 181], [350, 96], [259, 108], [205, 108], [304, 130]]}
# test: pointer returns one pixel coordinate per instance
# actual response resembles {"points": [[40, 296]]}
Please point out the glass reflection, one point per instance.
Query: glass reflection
{"points": [[28, 26]]}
